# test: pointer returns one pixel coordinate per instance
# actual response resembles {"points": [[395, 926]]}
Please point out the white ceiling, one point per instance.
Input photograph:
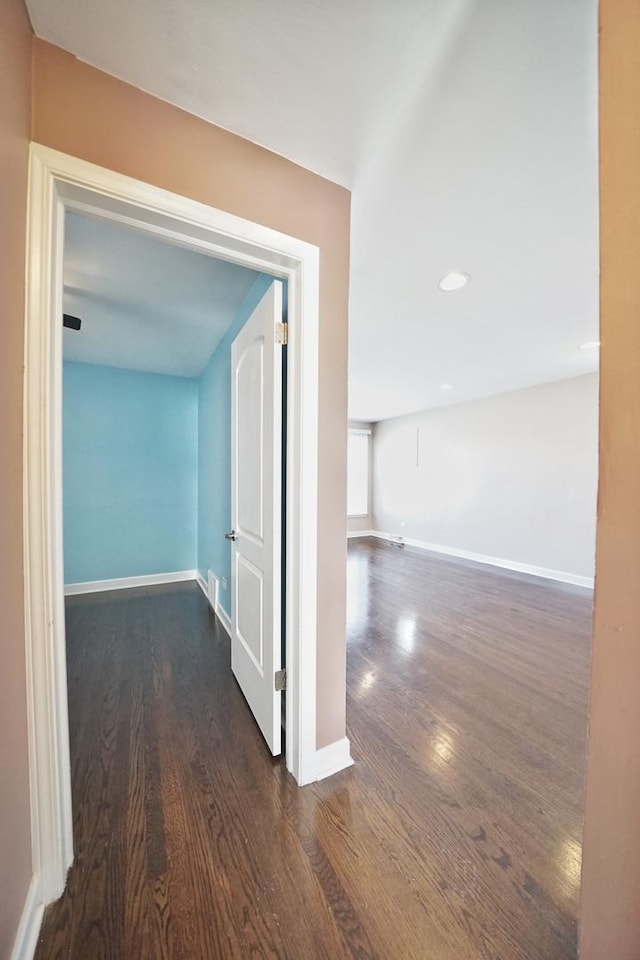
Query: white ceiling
{"points": [[145, 304], [467, 131], [492, 171], [309, 79]]}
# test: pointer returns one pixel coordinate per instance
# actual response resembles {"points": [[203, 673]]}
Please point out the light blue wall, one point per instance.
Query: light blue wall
{"points": [[130, 451], [214, 450], [147, 467]]}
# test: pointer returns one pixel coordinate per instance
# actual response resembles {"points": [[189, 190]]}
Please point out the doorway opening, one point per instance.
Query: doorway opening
{"points": [[172, 436], [60, 184]]}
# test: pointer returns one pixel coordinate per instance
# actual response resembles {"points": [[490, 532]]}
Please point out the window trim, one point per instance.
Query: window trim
{"points": [[362, 432]]}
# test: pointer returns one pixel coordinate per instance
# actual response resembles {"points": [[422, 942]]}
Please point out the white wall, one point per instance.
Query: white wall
{"points": [[512, 477], [360, 524]]}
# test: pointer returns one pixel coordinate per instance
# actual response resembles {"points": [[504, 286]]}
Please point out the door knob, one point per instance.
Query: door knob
{"points": [[230, 536]]}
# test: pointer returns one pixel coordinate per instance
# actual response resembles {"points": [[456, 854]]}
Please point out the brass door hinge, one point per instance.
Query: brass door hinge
{"points": [[282, 334]]}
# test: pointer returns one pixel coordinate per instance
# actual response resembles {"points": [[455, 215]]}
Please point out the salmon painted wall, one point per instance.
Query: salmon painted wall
{"points": [[88, 114], [15, 113], [610, 912]]}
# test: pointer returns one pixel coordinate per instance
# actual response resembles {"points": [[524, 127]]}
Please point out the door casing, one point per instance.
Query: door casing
{"points": [[59, 182]]}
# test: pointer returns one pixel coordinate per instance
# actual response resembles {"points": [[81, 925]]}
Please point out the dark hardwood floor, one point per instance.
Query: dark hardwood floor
{"points": [[456, 835]]}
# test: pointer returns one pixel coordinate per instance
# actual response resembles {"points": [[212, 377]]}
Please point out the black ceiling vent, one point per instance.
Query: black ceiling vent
{"points": [[72, 323]]}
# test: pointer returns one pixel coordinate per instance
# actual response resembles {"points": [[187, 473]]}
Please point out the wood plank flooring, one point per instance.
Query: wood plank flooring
{"points": [[456, 835]]}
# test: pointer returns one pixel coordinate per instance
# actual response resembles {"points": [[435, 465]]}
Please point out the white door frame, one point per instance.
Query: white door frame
{"points": [[58, 182]]}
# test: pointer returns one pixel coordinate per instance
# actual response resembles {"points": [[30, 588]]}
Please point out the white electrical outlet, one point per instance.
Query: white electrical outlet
{"points": [[224, 583]]}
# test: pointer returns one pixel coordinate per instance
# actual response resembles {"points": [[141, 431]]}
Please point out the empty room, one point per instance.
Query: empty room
{"points": [[319, 517], [473, 473], [470, 594]]}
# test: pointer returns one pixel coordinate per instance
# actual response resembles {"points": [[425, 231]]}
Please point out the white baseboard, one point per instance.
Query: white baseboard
{"points": [[218, 609], [352, 534], [224, 618], [24, 945], [125, 583], [202, 584], [213, 588], [546, 573], [331, 759]]}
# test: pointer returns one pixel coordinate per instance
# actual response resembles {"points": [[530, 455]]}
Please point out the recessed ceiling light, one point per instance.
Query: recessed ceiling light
{"points": [[453, 281], [447, 386], [590, 345]]}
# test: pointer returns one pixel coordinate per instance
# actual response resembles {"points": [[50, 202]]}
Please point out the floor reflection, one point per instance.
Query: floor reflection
{"points": [[467, 697]]}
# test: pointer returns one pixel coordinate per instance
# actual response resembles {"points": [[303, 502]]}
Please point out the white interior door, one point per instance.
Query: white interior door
{"points": [[256, 483]]}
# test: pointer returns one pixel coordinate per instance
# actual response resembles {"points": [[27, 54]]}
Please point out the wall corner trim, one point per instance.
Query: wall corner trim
{"points": [[332, 759], [125, 583], [559, 575], [26, 941], [355, 534]]}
